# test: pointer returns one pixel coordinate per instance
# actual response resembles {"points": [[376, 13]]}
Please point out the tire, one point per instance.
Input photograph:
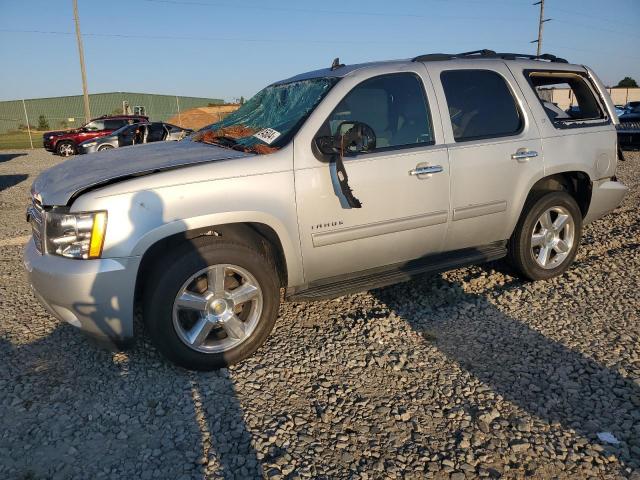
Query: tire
{"points": [[65, 149], [102, 148], [172, 323], [532, 234]]}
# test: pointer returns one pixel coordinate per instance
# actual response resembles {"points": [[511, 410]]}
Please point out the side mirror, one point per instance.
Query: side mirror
{"points": [[352, 138]]}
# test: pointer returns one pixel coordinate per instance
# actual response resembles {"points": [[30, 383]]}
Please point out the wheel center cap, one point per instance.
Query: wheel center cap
{"points": [[218, 307], [549, 237]]}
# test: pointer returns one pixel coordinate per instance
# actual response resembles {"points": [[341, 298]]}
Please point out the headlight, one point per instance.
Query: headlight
{"points": [[90, 144], [75, 235]]}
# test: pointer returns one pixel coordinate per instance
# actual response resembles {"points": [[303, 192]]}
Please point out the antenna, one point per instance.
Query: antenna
{"points": [[336, 64]]}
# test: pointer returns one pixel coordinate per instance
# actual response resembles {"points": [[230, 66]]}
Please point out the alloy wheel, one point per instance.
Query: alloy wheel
{"points": [[217, 308], [553, 237], [66, 150]]}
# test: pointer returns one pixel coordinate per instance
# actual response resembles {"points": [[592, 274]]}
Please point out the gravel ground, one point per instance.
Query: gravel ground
{"points": [[468, 374]]}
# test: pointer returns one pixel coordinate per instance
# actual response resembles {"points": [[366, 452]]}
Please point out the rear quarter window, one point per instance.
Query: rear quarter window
{"points": [[567, 98], [481, 105]]}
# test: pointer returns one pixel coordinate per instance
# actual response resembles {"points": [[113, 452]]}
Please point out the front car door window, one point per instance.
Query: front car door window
{"points": [[394, 106]]}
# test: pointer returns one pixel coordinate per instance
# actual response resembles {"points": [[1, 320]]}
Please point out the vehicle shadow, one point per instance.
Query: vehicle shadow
{"points": [[8, 181], [87, 409], [72, 410], [5, 157], [548, 380]]}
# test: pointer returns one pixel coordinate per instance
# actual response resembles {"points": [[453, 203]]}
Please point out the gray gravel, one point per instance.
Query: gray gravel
{"points": [[469, 374]]}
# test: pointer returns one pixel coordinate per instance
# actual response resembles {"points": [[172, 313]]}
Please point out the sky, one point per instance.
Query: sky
{"points": [[230, 48]]}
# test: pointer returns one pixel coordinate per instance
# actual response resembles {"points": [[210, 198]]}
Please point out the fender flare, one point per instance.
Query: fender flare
{"points": [[290, 243]]}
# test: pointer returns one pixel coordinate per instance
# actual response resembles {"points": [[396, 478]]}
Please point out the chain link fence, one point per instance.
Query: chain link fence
{"points": [[23, 122]]}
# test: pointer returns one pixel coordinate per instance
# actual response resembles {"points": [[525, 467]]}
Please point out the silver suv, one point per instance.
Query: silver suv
{"points": [[329, 182]]}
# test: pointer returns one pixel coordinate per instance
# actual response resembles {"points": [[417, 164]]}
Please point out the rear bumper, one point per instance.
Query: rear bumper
{"points": [[605, 197], [95, 296]]}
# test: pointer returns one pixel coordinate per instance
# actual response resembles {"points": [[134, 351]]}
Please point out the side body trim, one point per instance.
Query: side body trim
{"points": [[357, 232], [479, 210]]}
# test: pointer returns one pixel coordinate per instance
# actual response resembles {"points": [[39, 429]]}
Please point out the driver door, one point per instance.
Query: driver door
{"points": [[404, 215]]}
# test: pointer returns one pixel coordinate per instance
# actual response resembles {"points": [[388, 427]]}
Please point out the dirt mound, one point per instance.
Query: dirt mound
{"points": [[197, 118]]}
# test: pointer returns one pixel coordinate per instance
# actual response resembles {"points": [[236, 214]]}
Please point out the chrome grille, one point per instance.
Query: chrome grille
{"points": [[35, 216], [628, 126]]}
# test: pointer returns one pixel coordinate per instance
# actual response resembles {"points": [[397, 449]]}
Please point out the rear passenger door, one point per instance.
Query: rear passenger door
{"points": [[495, 153]]}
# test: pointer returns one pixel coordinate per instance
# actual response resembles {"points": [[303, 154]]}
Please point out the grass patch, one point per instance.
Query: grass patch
{"points": [[19, 140]]}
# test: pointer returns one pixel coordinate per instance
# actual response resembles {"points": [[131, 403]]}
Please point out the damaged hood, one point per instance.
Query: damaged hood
{"points": [[57, 185]]}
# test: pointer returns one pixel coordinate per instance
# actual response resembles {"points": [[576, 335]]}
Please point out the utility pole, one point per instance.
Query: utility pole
{"points": [[85, 93], [541, 21], [179, 116], [26, 117]]}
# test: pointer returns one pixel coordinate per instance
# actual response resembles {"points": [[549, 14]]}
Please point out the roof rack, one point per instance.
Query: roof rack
{"points": [[433, 57]]}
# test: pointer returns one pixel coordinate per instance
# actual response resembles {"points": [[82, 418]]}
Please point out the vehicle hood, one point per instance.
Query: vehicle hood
{"points": [[58, 185], [58, 133]]}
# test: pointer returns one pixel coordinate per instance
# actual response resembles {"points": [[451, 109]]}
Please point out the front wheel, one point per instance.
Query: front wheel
{"points": [[102, 148], [546, 239], [211, 304], [65, 149]]}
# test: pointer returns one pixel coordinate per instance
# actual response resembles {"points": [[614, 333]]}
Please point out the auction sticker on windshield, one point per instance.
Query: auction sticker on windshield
{"points": [[267, 135]]}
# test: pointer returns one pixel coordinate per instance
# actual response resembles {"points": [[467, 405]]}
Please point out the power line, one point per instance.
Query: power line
{"points": [[599, 18], [363, 13], [271, 40], [595, 27]]}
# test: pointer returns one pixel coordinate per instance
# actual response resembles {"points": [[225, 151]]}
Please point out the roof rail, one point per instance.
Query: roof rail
{"points": [[433, 57]]}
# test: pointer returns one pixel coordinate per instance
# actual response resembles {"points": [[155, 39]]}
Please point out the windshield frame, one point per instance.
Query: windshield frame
{"points": [[281, 141]]}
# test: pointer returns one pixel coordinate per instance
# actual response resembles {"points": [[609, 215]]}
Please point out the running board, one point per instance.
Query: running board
{"points": [[388, 275]]}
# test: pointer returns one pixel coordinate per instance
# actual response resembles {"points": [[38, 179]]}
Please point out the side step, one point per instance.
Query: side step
{"points": [[391, 274]]}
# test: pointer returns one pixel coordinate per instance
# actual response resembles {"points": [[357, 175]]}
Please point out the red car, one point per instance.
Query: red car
{"points": [[65, 142]]}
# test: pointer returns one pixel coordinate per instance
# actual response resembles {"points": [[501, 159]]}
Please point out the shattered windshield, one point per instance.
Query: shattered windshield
{"points": [[269, 119]]}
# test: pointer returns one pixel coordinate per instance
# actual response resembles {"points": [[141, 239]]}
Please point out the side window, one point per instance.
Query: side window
{"points": [[156, 132], [566, 97], [95, 125], [114, 124], [393, 105], [481, 105]]}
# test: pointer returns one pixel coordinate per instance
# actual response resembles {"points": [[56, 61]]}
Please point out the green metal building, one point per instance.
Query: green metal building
{"points": [[57, 113]]}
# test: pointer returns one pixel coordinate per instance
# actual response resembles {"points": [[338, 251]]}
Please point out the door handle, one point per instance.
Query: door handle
{"points": [[426, 170], [523, 155]]}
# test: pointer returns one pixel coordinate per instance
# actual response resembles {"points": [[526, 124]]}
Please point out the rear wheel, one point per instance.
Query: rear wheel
{"points": [[65, 149], [547, 236], [211, 305]]}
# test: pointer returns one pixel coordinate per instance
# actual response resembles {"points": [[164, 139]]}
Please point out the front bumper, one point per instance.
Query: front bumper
{"points": [[93, 295], [85, 149], [606, 195]]}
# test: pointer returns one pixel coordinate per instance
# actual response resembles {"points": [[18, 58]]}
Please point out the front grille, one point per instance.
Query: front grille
{"points": [[35, 216], [627, 126]]}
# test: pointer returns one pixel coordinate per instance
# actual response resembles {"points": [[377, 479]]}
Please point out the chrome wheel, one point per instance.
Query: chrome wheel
{"points": [[217, 308], [553, 237], [102, 148], [66, 150]]}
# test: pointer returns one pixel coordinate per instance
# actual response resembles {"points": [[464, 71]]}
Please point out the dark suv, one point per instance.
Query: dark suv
{"points": [[65, 142]]}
